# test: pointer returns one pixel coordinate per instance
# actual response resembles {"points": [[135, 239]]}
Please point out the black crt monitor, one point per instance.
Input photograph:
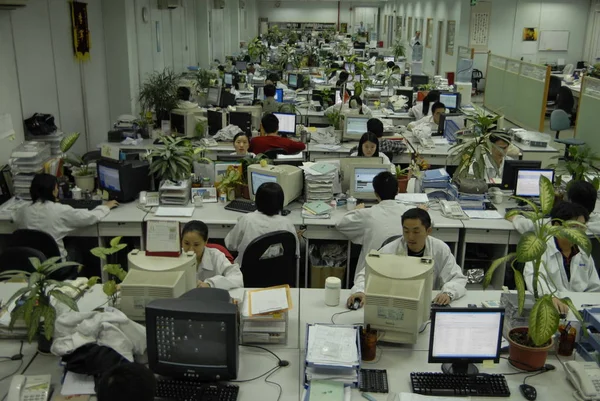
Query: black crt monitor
{"points": [[409, 95], [292, 81], [228, 80], [373, 54], [460, 337], [242, 120], [215, 121], [194, 336], [214, 96], [230, 158], [418, 80], [360, 45], [509, 174], [287, 123], [241, 65], [123, 180], [450, 100], [527, 184]]}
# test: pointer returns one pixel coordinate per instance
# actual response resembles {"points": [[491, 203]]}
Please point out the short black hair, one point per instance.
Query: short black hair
{"points": [[565, 211], [437, 105], [396, 68], [270, 123], [358, 101], [273, 77], [343, 76], [269, 198], [419, 214], [196, 226], [495, 138], [375, 126], [42, 188], [368, 137], [246, 58], [385, 185], [390, 64], [269, 90], [241, 133], [583, 193], [125, 382], [432, 97]]}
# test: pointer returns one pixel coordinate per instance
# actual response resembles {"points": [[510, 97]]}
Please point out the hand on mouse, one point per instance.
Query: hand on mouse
{"points": [[441, 299], [357, 296], [111, 204], [360, 206]]}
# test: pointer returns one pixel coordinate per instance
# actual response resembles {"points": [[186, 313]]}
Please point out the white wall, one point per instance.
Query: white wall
{"points": [[592, 37]]}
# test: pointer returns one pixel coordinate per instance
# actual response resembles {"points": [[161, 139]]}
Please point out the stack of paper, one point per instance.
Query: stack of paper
{"points": [[174, 193], [332, 353], [472, 201], [320, 181], [435, 178], [316, 210], [267, 328]]}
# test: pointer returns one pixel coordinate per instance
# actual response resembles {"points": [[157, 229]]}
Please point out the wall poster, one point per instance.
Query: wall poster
{"points": [[450, 32], [480, 26]]}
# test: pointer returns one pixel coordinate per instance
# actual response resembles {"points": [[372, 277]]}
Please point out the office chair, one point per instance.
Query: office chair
{"points": [[559, 121], [223, 250], [91, 156], [272, 153], [390, 239], [17, 258], [565, 101], [476, 76], [281, 269], [553, 88]]}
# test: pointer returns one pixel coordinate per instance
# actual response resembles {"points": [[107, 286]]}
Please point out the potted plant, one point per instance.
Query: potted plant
{"points": [[581, 160], [595, 71], [528, 346], [287, 55], [274, 36], [414, 169], [242, 190], [83, 173], [231, 178], [159, 94], [174, 160], [114, 270], [33, 301], [257, 50], [399, 50], [334, 117], [204, 79]]}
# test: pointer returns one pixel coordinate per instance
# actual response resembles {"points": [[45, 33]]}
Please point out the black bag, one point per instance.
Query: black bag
{"points": [[93, 360], [40, 124]]}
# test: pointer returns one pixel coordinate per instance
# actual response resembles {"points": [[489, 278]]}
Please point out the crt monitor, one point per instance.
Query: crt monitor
{"points": [[450, 100], [123, 180], [217, 120], [347, 165], [241, 65], [460, 337], [287, 123], [193, 337], [387, 59], [290, 178], [293, 81], [527, 184], [397, 295], [259, 92], [228, 79], [361, 181], [418, 80], [214, 96], [509, 173], [354, 128]]}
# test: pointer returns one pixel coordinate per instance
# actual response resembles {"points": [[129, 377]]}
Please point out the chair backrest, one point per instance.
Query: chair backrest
{"points": [[36, 239], [92, 156], [559, 120], [568, 70], [269, 271], [390, 239], [272, 153], [555, 84], [224, 250], [17, 258], [565, 100]]}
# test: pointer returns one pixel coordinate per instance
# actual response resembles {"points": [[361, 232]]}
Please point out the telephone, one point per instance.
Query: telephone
{"points": [[427, 143], [452, 209], [149, 199], [29, 388], [585, 377], [208, 142]]}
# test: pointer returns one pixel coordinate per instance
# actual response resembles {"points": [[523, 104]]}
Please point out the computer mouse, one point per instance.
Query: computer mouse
{"points": [[285, 212], [355, 305], [433, 305], [529, 392]]}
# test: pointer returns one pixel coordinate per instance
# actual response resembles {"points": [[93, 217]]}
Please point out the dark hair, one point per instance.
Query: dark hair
{"points": [[582, 193], [342, 78], [390, 64], [432, 97], [437, 105], [385, 185], [269, 198], [418, 214], [274, 77], [42, 188], [395, 68], [246, 58], [241, 133], [269, 90], [375, 126], [368, 137], [196, 226], [565, 211], [221, 68], [125, 382], [496, 138], [358, 102], [270, 123]]}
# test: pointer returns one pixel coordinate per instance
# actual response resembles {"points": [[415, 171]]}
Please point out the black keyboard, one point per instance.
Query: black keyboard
{"points": [[459, 385], [81, 203], [242, 206], [183, 390]]}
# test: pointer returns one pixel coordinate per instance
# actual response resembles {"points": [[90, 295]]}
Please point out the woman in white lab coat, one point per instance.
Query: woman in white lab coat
{"points": [[214, 270], [368, 146], [416, 241], [421, 109], [58, 220], [266, 219]]}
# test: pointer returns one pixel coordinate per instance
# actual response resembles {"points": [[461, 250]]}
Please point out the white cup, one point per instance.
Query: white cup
{"points": [[76, 191], [351, 203], [198, 201]]}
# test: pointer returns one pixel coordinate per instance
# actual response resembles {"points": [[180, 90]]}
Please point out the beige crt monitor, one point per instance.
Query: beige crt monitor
{"points": [[291, 179], [347, 165], [184, 121], [186, 263], [397, 295]]}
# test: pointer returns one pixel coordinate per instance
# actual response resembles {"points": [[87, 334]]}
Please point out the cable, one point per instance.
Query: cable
{"points": [[339, 313], [280, 363], [425, 326], [275, 383]]}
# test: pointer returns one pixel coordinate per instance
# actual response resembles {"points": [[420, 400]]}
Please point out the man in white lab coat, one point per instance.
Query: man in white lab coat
{"points": [[566, 266], [370, 227], [432, 120], [416, 241]]}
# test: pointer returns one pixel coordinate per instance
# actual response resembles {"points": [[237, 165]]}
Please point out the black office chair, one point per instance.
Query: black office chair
{"points": [[281, 269], [390, 239], [17, 258], [476, 76], [272, 153], [553, 89], [565, 101], [92, 156]]}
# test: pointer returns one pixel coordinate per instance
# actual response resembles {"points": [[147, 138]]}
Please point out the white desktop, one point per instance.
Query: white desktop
{"points": [[184, 121], [290, 178], [354, 127]]}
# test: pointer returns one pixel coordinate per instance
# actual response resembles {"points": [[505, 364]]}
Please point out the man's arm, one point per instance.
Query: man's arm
{"points": [[293, 147], [392, 146], [452, 276]]}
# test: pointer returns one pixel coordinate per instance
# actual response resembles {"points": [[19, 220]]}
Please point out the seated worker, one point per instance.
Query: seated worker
{"points": [[375, 126], [270, 105], [370, 227], [500, 148], [565, 265], [416, 241], [273, 79], [420, 110], [47, 215], [266, 219], [214, 270], [241, 143], [390, 65], [355, 103], [579, 192], [342, 78], [126, 382], [432, 120], [368, 146], [270, 139]]}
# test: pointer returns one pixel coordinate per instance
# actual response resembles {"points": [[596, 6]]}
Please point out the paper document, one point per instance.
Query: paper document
{"points": [[332, 345], [326, 390], [174, 211], [294, 156], [162, 236], [77, 384], [419, 397], [483, 214], [412, 198], [269, 300]]}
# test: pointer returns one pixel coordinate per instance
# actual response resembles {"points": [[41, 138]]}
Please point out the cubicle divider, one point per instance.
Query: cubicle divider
{"points": [[586, 128], [517, 90]]}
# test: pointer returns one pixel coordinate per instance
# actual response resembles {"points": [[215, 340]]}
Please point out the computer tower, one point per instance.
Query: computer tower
{"points": [[242, 120]]}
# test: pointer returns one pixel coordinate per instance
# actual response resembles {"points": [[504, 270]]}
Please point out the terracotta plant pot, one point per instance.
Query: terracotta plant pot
{"points": [[524, 357], [403, 183]]}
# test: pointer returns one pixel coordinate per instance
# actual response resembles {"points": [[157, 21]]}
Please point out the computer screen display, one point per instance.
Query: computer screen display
{"points": [[509, 173], [259, 92], [228, 79], [109, 178], [213, 96], [258, 179], [363, 181], [450, 100], [528, 182], [356, 125], [287, 123], [279, 95], [417, 80], [293, 81], [241, 65], [389, 58]]}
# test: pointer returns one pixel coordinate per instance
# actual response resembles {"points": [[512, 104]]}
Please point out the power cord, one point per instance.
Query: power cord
{"points": [[339, 313], [17, 357], [281, 363]]}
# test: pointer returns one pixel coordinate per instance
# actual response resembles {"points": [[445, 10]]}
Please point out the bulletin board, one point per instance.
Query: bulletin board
{"points": [[554, 41]]}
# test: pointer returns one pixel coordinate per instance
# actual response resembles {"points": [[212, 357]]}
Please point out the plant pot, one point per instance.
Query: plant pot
{"points": [[44, 344], [242, 191], [524, 357], [86, 182], [403, 183]]}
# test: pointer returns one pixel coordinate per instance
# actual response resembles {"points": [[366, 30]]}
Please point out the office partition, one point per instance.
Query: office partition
{"points": [[586, 128], [493, 98]]}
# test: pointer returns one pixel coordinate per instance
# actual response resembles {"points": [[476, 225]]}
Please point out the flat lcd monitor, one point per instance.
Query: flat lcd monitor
{"points": [[287, 123], [228, 79], [241, 65], [388, 59], [528, 182], [293, 81], [279, 95], [509, 174], [451, 101], [418, 80]]}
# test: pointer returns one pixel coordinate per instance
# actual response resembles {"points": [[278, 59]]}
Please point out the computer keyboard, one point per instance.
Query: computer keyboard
{"points": [[183, 390], [242, 206], [88, 204], [459, 385]]}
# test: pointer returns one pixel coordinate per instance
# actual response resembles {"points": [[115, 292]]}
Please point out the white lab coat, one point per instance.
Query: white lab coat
{"points": [[427, 121], [218, 271], [251, 226], [57, 219], [371, 226], [447, 275], [249, 154], [417, 111], [522, 224], [345, 108], [490, 170], [584, 277]]}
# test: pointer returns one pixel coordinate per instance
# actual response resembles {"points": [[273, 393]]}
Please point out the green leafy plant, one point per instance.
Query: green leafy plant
{"points": [[544, 318], [34, 306], [68, 141], [204, 78], [334, 117], [399, 49], [158, 93], [248, 161], [232, 177], [582, 161], [173, 160], [80, 167], [426, 87], [257, 49], [595, 71], [114, 270], [274, 36], [287, 54]]}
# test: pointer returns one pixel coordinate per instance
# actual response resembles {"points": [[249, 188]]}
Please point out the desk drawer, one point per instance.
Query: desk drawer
{"points": [[219, 230], [120, 229], [324, 233], [479, 236], [446, 234]]}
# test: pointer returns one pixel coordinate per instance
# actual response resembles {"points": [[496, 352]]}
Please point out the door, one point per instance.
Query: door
{"points": [[439, 48]]}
